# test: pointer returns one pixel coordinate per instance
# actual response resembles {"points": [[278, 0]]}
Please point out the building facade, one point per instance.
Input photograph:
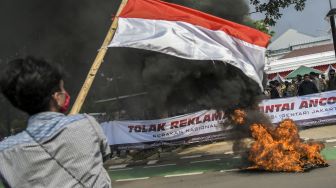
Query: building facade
{"points": [[293, 49]]}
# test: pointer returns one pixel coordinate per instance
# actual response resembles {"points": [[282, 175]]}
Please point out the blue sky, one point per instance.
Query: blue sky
{"points": [[310, 21]]}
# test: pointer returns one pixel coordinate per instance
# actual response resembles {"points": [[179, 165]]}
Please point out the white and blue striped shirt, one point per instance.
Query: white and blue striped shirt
{"points": [[55, 151]]}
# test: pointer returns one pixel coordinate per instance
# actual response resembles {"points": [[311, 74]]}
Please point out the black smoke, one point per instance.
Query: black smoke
{"points": [[61, 31], [233, 10], [64, 32], [70, 33], [180, 86]]}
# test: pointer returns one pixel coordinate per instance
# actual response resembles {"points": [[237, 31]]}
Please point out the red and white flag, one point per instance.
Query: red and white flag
{"points": [[187, 33]]}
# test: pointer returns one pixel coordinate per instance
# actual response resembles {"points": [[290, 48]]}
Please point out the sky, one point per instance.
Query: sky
{"points": [[310, 21]]}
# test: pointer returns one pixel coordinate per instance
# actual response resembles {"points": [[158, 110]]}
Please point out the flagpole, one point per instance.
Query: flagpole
{"points": [[97, 62]]}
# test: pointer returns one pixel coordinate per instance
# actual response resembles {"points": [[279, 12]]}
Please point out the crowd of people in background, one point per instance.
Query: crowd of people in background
{"points": [[302, 85]]}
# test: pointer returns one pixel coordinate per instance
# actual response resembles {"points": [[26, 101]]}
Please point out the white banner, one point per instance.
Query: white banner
{"points": [[309, 110], [163, 130], [315, 109]]}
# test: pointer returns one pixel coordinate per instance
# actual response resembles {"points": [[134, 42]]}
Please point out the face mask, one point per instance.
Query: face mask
{"points": [[66, 104]]}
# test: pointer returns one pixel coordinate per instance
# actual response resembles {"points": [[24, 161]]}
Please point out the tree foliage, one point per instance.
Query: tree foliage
{"points": [[272, 8], [262, 26]]}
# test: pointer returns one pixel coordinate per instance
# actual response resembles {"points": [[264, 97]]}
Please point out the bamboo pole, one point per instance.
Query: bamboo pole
{"points": [[97, 62]]}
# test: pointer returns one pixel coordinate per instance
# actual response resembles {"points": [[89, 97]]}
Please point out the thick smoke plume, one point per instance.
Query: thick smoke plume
{"points": [[234, 10], [70, 33], [176, 84], [64, 32]]}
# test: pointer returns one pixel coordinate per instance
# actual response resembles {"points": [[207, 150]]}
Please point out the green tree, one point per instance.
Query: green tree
{"points": [[262, 26], [272, 8], [233, 9]]}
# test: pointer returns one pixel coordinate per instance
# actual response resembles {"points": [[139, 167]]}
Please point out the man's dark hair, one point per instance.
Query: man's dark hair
{"points": [[29, 84], [331, 71], [306, 75]]}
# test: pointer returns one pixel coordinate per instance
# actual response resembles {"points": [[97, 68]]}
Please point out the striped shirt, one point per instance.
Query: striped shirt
{"points": [[55, 151]]}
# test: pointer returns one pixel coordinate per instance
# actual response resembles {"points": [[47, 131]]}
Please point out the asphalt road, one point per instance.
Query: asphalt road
{"points": [[316, 178], [220, 171]]}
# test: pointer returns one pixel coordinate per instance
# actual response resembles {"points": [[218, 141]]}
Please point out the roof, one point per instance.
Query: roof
{"points": [[291, 36], [302, 70], [308, 51], [312, 41]]}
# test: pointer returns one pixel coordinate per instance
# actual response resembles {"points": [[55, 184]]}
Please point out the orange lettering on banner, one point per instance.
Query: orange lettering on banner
{"points": [[137, 128], [152, 128], [191, 121], [277, 106], [313, 103], [183, 122], [285, 107], [144, 129], [206, 118], [304, 104], [174, 124], [198, 120], [269, 108], [217, 116], [323, 101], [160, 127], [130, 128], [332, 100]]}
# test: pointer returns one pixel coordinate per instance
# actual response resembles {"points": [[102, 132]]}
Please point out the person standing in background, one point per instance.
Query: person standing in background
{"points": [[274, 91], [298, 83], [314, 78], [331, 83], [289, 90], [307, 87], [323, 83]]}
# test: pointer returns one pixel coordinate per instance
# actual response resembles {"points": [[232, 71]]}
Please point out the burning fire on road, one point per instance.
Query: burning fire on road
{"points": [[280, 149]]}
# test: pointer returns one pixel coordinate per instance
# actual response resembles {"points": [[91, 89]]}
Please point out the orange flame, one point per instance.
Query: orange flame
{"points": [[281, 149]]}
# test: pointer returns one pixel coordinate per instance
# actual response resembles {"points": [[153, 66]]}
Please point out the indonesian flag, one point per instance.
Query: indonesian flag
{"points": [[183, 32]]}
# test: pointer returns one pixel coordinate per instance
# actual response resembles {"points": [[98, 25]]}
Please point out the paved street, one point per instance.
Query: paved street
{"points": [[322, 178], [221, 171]]}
